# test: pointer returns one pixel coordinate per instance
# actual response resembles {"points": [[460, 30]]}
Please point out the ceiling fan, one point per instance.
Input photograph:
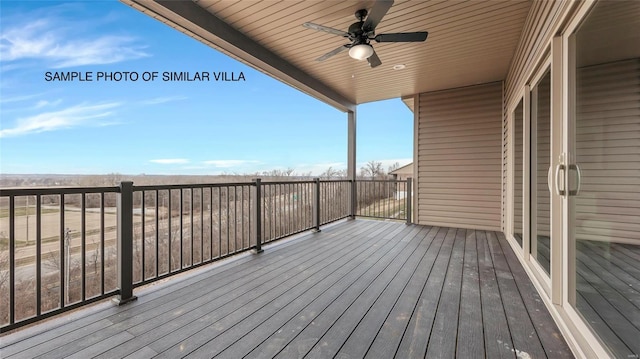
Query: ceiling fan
{"points": [[360, 34]]}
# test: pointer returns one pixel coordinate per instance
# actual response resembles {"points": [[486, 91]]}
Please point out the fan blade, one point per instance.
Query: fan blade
{"points": [[374, 60], [402, 37], [378, 11], [330, 30], [332, 53]]}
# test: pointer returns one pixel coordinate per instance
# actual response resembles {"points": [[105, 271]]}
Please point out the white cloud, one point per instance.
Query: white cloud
{"points": [[159, 100], [55, 42], [43, 103], [229, 163], [170, 161], [19, 98], [74, 116]]}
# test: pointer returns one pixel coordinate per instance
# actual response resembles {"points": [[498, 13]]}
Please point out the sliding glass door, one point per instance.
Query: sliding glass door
{"points": [[602, 176]]}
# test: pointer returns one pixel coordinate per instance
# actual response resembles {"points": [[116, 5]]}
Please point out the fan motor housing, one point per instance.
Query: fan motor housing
{"points": [[356, 29]]}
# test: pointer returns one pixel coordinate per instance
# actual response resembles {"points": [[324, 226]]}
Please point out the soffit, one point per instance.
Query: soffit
{"points": [[470, 42]]}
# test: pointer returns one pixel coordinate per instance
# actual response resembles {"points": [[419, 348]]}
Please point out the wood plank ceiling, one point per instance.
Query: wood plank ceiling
{"points": [[470, 42]]}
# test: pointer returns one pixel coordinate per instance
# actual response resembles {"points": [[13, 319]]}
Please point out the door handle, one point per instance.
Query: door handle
{"points": [[560, 192], [578, 179]]}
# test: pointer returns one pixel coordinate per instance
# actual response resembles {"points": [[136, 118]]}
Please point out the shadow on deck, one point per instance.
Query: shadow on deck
{"points": [[357, 289]]}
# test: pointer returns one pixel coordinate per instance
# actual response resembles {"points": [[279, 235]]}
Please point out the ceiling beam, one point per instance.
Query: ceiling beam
{"points": [[252, 53]]}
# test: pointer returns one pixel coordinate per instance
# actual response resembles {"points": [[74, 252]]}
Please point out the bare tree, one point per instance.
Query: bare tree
{"points": [[372, 169], [393, 167], [330, 173], [4, 269]]}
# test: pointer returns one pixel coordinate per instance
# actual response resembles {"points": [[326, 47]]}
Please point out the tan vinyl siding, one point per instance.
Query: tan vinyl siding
{"points": [[542, 21], [459, 157], [608, 152], [536, 35], [505, 158]]}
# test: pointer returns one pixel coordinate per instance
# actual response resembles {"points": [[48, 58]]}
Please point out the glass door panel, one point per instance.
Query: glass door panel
{"points": [[518, 172], [540, 162], [603, 174]]}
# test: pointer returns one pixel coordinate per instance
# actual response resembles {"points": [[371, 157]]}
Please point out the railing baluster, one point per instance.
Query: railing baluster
{"points": [[12, 259], [157, 244], [102, 237], [201, 225], [211, 222], [219, 221], [62, 250], [169, 231], [83, 245], [143, 223], [191, 225]]}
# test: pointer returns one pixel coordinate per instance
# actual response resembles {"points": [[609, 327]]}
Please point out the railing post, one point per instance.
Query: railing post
{"points": [[408, 203], [125, 243], [316, 205], [353, 199], [257, 200]]}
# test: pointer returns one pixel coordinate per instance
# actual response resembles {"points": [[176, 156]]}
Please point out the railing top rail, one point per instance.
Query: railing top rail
{"points": [[286, 182], [382, 180], [198, 185], [30, 191]]}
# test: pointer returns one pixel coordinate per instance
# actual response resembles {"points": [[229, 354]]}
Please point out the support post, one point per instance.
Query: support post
{"points": [[316, 205], [351, 162], [408, 202], [257, 200], [125, 243]]}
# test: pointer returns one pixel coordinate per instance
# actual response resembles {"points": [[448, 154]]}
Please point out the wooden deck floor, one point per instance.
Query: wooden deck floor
{"points": [[357, 289]]}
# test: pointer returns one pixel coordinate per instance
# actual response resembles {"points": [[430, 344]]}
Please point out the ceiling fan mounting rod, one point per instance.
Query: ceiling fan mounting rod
{"points": [[361, 14]]}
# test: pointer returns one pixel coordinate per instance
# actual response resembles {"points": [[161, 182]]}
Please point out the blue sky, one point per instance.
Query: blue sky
{"points": [[157, 127]]}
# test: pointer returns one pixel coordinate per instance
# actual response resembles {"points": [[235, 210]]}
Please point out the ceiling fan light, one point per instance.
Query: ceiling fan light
{"points": [[361, 51]]}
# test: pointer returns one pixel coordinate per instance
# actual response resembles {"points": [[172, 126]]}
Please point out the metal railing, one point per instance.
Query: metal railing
{"points": [[61, 248], [385, 199], [185, 226], [57, 251]]}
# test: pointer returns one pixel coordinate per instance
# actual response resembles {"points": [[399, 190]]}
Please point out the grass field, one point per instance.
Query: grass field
{"points": [[22, 211], [26, 231], [385, 208]]}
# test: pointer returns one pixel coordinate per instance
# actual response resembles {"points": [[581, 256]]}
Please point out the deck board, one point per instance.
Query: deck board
{"points": [[470, 336], [445, 325], [391, 332], [546, 329], [523, 334], [357, 289], [415, 340]]}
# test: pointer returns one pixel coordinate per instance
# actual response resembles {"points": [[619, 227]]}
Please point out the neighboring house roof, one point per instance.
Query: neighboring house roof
{"points": [[404, 170]]}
